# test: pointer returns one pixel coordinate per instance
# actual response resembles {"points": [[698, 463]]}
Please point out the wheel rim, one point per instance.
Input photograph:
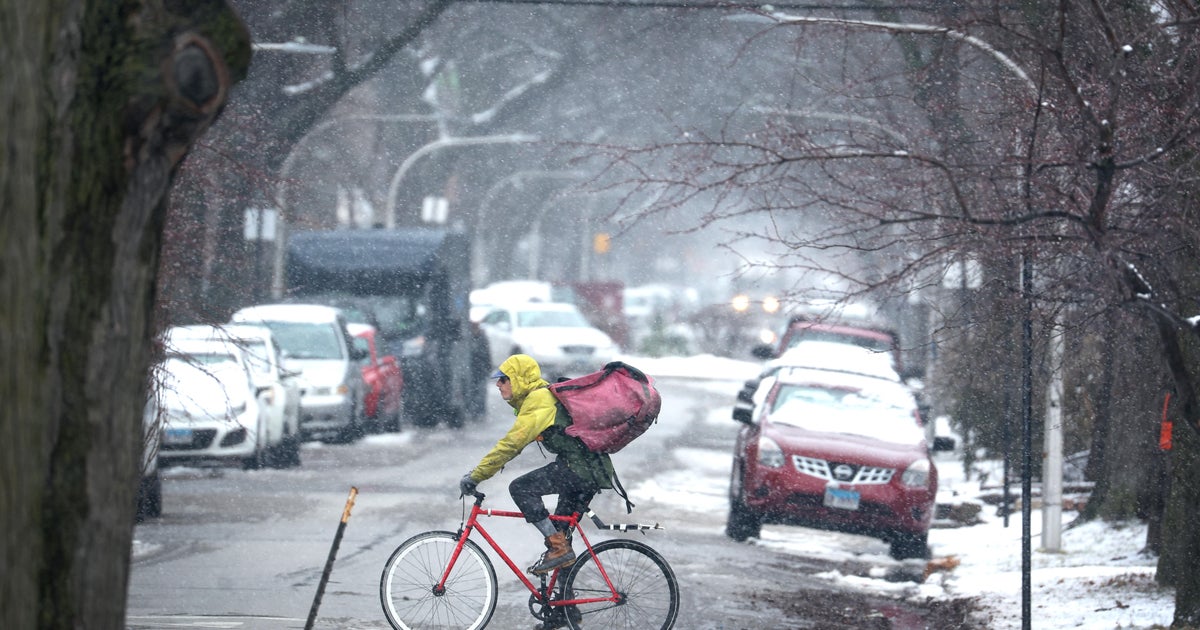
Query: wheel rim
{"points": [[407, 588], [642, 578]]}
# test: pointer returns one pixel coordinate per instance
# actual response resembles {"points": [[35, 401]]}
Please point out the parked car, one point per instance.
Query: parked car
{"points": [[555, 334], [149, 493], [838, 356], [836, 451], [276, 387], [801, 329], [316, 344], [382, 404], [210, 414]]}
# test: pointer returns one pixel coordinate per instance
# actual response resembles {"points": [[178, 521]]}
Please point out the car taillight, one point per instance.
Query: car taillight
{"points": [[916, 475], [769, 453]]}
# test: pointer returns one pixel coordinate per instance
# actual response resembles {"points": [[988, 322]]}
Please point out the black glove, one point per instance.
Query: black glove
{"points": [[467, 485]]}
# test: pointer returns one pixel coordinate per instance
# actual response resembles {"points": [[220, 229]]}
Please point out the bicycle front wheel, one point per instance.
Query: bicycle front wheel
{"points": [[645, 584], [409, 589]]}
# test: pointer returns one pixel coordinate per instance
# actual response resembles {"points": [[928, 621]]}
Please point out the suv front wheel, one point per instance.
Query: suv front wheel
{"points": [[905, 545], [743, 523]]}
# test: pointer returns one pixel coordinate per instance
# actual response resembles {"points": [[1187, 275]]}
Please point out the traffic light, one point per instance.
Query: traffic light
{"points": [[601, 243]]}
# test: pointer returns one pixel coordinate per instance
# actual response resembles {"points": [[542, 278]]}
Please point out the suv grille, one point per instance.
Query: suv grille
{"points": [[850, 473]]}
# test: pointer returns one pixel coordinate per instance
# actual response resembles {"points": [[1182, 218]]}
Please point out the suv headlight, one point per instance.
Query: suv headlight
{"points": [[769, 453], [916, 475]]}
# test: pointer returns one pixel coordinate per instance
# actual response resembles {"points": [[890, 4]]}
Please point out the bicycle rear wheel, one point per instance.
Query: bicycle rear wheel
{"points": [[642, 578], [407, 588]]}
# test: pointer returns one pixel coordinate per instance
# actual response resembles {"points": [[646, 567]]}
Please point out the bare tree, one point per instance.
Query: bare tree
{"points": [[1064, 134], [476, 69], [102, 102]]}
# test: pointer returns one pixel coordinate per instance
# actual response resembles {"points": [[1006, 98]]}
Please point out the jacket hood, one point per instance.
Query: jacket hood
{"points": [[525, 375]]}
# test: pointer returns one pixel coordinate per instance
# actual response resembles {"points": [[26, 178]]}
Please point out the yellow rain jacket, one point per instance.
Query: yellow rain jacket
{"points": [[536, 410]]}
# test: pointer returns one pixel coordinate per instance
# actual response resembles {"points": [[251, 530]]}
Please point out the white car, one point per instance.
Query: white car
{"points": [[555, 334], [206, 404], [149, 492], [277, 388], [315, 342]]}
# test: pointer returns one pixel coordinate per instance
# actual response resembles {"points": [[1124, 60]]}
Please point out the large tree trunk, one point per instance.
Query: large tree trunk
{"points": [[1181, 546], [1181, 537], [101, 102], [1128, 405]]}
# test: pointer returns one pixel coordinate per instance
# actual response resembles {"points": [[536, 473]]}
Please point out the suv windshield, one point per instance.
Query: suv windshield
{"points": [[302, 340], [847, 411], [394, 316]]}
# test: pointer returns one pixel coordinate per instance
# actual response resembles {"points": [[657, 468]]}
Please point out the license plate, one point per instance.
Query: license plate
{"points": [[177, 436], [841, 499]]}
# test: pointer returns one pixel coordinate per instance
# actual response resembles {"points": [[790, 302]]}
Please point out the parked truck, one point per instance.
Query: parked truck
{"points": [[412, 284]]}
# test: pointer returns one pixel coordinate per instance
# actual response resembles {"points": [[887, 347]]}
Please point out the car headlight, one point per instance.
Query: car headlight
{"points": [[769, 453], [916, 475]]}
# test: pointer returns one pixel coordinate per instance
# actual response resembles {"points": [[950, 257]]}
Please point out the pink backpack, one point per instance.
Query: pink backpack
{"points": [[609, 408]]}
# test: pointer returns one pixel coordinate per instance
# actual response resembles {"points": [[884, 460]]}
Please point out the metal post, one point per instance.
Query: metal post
{"points": [[1026, 440], [337, 539]]}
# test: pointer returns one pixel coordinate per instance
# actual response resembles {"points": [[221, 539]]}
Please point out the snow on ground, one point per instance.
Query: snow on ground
{"points": [[1098, 580]]}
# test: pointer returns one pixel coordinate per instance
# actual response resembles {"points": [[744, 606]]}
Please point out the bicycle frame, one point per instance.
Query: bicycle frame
{"points": [[472, 524]]}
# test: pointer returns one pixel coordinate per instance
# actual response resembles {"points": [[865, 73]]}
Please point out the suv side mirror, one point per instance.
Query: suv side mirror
{"points": [[358, 354], [743, 412], [943, 444]]}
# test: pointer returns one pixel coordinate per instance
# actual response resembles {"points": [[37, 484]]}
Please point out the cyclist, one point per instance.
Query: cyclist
{"points": [[576, 475]]}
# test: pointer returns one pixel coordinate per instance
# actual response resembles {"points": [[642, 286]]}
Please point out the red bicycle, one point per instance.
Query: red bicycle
{"points": [[442, 579]]}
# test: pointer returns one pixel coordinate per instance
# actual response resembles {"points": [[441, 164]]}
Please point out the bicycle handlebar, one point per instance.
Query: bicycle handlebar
{"points": [[479, 496]]}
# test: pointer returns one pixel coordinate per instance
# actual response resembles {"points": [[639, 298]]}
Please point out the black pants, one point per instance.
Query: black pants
{"points": [[574, 493]]}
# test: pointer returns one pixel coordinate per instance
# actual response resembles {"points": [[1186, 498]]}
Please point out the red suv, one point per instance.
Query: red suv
{"points": [[834, 451]]}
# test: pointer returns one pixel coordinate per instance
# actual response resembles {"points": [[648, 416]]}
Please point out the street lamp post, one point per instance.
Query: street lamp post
{"points": [[442, 143], [516, 179]]}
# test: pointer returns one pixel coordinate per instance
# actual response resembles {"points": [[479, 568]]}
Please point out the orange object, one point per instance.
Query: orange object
{"points": [[1164, 432]]}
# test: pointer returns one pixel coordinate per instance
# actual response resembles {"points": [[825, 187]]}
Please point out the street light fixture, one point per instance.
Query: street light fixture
{"points": [[442, 143]]}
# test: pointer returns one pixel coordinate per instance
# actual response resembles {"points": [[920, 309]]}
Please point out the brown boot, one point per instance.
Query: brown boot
{"points": [[558, 555]]}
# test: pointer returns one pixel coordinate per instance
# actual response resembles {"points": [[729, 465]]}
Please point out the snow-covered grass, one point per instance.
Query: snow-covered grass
{"points": [[1099, 579]]}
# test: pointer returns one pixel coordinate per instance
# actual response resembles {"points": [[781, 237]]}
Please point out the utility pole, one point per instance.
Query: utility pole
{"points": [[1052, 464]]}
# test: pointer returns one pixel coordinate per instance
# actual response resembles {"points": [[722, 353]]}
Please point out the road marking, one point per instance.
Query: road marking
{"points": [[183, 621]]}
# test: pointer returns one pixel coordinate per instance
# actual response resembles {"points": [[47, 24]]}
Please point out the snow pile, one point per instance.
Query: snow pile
{"points": [[1100, 579]]}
